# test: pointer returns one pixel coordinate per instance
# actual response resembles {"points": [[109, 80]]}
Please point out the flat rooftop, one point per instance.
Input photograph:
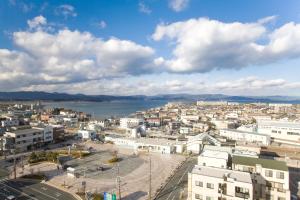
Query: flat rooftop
{"points": [[239, 176], [25, 131], [285, 124], [246, 132], [215, 154], [265, 163]]}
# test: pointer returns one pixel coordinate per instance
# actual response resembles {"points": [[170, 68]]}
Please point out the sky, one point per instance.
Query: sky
{"points": [[149, 47]]}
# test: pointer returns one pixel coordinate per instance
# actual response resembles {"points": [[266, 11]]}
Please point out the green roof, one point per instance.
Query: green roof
{"points": [[265, 163]]}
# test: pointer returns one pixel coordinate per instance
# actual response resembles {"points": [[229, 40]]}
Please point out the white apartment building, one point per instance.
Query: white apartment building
{"points": [[281, 131], [270, 177], [231, 116], [252, 137], [188, 118], [26, 139], [248, 128], [130, 122], [211, 183], [213, 159], [223, 124], [86, 134], [211, 103], [48, 133], [200, 127], [163, 146]]}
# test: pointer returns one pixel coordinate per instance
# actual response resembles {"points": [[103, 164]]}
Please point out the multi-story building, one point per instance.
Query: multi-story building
{"points": [[270, 177], [211, 183], [246, 136], [48, 133], [200, 127], [213, 159], [280, 131], [26, 139], [211, 103], [130, 122], [8, 122]]}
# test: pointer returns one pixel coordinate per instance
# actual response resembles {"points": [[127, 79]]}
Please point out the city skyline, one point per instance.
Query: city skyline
{"points": [[151, 47]]}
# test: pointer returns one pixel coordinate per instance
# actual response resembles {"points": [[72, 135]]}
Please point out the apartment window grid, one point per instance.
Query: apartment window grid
{"points": [[199, 183], [198, 196], [280, 175], [210, 185], [269, 173]]}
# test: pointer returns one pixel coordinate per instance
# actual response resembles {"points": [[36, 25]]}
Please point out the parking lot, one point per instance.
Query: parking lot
{"points": [[31, 190], [89, 167]]}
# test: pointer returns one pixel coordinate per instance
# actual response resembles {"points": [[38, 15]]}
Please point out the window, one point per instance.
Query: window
{"points": [[210, 185], [199, 183], [281, 198], [269, 173], [198, 196], [209, 198], [280, 175], [273, 131]]}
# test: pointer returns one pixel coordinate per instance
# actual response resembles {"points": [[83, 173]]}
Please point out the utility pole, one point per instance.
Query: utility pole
{"points": [[119, 181], [149, 177], [15, 167]]}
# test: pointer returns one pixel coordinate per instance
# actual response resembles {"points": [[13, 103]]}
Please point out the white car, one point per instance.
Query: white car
{"points": [[11, 197]]}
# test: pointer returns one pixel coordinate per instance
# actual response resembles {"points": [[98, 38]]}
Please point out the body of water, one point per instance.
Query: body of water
{"points": [[108, 108]]}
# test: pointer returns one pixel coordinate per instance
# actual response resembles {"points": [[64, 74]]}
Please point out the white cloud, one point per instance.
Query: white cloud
{"points": [[37, 22], [144, 8], [202, 45], [178, 5], [65, 10], [145, 86], [69, 57], [102, 24]]}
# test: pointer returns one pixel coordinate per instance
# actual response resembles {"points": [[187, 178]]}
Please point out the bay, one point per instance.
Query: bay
{"points": [[107, 109]]}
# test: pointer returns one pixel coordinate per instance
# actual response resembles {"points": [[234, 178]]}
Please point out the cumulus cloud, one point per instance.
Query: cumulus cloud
{"points": [[37, 22], [65, 10], [202, 45], [143, 8], [68, 56], [178, 5]]}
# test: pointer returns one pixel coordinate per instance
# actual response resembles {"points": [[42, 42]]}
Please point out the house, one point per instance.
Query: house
{"points": [[212, 183], [270, 177]]}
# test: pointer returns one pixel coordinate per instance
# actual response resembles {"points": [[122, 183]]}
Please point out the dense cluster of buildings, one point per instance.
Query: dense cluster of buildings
{"points": [[226, 136], [220, 174]]}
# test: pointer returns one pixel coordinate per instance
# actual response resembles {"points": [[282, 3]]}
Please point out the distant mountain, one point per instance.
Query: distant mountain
{"points": [[46, 96], [31, 96]]}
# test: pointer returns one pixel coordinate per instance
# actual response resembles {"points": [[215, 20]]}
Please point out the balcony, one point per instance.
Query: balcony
{"points": [[242, 195]]}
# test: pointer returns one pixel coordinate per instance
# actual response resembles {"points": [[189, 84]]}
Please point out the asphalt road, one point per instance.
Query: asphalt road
{"points": [[31, 190], [178, 182]]}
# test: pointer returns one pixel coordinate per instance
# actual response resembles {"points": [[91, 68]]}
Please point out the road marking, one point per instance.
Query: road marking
{"points": [[42, 193], [170, 195], [57, 194], [183, 175], [43, 188], [23, 193]]}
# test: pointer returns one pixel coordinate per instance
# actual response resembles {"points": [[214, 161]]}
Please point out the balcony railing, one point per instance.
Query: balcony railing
{"points": [[242, 195]]}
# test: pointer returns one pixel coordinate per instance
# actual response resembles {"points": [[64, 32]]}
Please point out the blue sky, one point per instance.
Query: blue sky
{"points": [[125, 47]]}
